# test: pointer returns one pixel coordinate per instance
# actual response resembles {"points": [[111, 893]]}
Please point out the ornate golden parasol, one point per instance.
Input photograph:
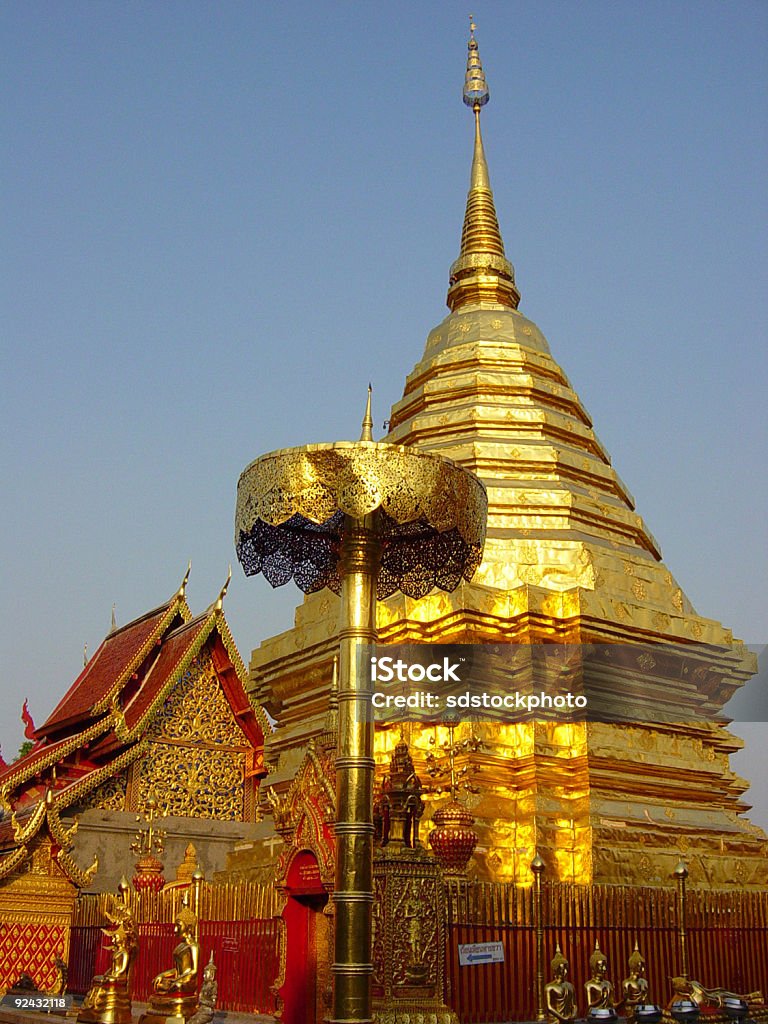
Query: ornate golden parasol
{"points": [[366, 519]]}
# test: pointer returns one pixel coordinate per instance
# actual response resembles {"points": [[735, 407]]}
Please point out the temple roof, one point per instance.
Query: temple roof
{"points": [[103, 722], [120, 654], [176, 652]]}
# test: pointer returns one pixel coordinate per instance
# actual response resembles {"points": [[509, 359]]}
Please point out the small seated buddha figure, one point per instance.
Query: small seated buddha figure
{"points": [[560, 993], [174, 996], [598, 989], [109, 999], [206, 1004], [634, 989]]}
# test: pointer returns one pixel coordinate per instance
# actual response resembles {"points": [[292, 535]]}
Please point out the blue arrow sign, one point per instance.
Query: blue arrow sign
{"points": [[481, 953]]}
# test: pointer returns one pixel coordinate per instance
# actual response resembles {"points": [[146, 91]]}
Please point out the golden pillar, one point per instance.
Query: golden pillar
{"points": [[366, 520], [353, 892]]}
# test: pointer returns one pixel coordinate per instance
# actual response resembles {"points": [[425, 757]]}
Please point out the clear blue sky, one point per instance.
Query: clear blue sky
{"points": [[220, 221]]}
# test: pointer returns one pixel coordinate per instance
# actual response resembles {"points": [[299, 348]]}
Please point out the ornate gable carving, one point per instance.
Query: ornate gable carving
{"points": [[197, 757], [305, 815], [110, 795], [197, 710], [194, 781]]}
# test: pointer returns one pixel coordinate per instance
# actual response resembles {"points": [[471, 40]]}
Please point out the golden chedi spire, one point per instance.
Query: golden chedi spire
{"points": [[482, 273], [367, 428]]}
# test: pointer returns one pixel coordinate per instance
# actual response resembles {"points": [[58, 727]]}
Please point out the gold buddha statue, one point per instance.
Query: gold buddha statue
{"points": [[174, 996], [598, 989], [634, 989], [109, 998], [559, 993], [705, 998]]}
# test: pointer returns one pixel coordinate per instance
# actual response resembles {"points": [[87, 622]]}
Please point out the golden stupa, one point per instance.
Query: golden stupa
{"points": [[567, 560]]}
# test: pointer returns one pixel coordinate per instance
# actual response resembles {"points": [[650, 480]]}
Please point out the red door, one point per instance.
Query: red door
{"points": [[306, 899]]}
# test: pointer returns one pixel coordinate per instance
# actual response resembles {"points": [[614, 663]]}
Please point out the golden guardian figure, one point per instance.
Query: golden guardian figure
{"points": [[109, 998]]}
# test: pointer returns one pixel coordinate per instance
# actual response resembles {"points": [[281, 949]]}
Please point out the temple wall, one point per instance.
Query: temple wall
{"points": [[109, 834]]}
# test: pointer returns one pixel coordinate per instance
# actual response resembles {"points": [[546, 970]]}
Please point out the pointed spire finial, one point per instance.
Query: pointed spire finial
{"points": [[182, 591], [476, 93], [85, 654], [219, 604], [113, 627], [367, 433], [482, 273]]}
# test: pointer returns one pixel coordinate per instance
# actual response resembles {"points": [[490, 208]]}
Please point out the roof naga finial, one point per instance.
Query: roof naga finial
{"points": [[220, 599], [367, 432], [182, 591]]}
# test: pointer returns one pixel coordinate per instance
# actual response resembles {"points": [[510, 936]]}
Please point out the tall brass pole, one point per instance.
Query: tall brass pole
{"points": [[197, 883], [681, 873], [537, 867], [353, 894]]}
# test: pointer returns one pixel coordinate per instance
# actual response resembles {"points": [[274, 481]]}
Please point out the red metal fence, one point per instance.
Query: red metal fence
{"points": [[727, 939], [248, 957]]}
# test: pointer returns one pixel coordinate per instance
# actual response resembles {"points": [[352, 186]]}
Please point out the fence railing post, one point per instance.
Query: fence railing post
{"points": [[537, 867]]}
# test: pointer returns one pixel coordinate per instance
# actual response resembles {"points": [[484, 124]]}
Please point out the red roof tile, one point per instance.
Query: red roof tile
{"points": [[242, 709], [111, 660], [30, 759], [175, 647]]}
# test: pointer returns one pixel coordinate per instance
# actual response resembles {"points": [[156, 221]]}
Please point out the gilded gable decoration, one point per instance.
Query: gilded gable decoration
{"points": [[194, 782], [110, 795], [304, 816], [197, 710]]}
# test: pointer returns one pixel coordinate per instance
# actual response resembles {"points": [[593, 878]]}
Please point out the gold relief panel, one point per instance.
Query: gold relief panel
{"points": [[41, 861], [378, 943], [194, 782], [414, 954], [110, 795], [198, 710]]}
